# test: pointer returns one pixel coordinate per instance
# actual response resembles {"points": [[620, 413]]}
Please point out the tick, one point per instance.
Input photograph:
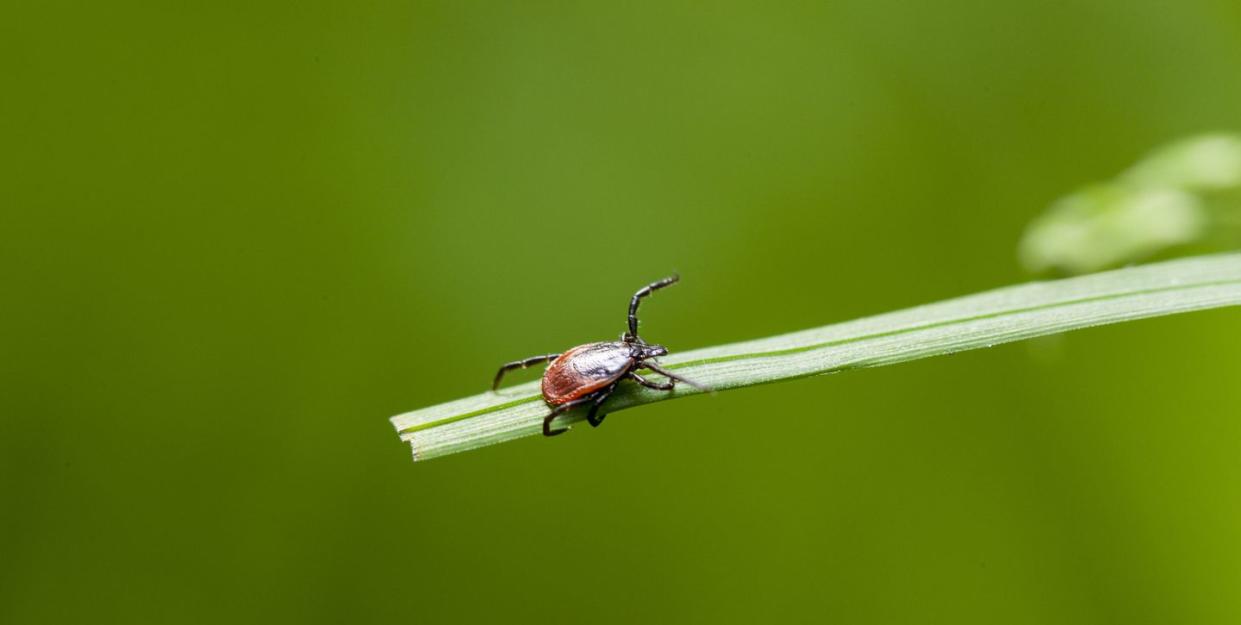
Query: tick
{"points": [[587, 374]]}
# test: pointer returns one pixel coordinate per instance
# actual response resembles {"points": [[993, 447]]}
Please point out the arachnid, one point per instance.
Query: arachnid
{"points": [[587, 374]]}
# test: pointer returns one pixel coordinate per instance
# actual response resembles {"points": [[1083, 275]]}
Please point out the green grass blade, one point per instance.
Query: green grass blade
{"points": [[982, 320]]}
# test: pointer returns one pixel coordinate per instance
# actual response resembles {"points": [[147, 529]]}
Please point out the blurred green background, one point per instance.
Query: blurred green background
{"points": [[236, 237]]}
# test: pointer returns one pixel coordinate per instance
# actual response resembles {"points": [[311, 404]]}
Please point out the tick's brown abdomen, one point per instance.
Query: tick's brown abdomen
{"points": [[584, 370]]}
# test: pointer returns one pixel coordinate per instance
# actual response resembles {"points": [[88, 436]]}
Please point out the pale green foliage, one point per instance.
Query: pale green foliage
{"points": [[1204, 163], [1177, 195], [982, 320]]}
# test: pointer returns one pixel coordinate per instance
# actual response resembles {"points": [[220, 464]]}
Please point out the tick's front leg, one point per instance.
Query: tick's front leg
{"points": [[659, 386], [674, 377]]}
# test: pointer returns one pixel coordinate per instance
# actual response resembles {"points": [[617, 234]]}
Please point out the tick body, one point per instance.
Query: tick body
{"points": [[589, 373]]}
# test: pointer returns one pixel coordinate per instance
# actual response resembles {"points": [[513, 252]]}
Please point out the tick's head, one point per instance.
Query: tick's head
{"points": [[654, 351]]}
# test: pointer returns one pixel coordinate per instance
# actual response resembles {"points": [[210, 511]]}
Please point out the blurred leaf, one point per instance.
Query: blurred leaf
{"points": [[1109, 224], [982, 320], [1176, 196], [1208, 162]]}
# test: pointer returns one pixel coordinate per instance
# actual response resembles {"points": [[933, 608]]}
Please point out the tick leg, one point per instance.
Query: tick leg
{"points": [[520, 364], [637, 299], [593, 416], [547, 421], [674, 377], [664, 386]]}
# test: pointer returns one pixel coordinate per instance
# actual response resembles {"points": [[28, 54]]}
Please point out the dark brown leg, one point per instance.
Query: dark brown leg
{"points": [[520, 364], [556, 412], [593, 416], [664, 386], [637, 299], [672, 376]]}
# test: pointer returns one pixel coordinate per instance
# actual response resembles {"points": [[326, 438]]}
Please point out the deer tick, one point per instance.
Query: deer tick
{"points": [[587, 374]]}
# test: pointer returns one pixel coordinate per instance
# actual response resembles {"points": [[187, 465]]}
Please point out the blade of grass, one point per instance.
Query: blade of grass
{"points": [[981, 320]]}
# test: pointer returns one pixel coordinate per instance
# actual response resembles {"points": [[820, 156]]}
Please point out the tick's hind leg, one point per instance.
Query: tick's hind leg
{"points": [[519, 364], [547, 425], [557, 411], [659, 386], [593, 416]]}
